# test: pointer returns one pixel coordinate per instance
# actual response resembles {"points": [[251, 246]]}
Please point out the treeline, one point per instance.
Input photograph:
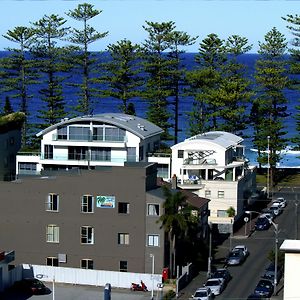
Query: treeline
{"points": [[48, 51]]}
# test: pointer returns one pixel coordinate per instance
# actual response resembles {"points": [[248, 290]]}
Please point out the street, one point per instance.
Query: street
{"points": [[259, 243]]}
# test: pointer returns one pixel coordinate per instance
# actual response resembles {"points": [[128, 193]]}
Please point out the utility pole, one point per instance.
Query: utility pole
{"points": [[268, 168]]}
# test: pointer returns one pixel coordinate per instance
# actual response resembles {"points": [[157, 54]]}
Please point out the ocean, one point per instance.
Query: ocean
{"points": [[289, 158]]}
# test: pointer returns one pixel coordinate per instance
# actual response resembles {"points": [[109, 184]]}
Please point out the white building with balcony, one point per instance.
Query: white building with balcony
{"points": [[213, 166], [86, 142]]}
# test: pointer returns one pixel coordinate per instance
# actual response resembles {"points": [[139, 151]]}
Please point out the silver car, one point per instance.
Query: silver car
{"points": [[217, 285], [203, 293], [235, 257]]}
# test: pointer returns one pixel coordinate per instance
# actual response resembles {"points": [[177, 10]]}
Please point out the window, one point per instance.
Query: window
{"points": [[52, 234], [180, 154], [79, 133], [141, 153], [123, 266], [207, 193], [87, 204], [153, 210], [86, 263], [48, 151], [222, 213], [62, 133], [123, 208], [52, 202], [52, 261], [101, 154], [221, 194], [153, 240], [123, 238], [87, 235]]}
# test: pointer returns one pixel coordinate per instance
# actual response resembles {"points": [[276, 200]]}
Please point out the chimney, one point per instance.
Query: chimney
{"points": [[174, 182]]}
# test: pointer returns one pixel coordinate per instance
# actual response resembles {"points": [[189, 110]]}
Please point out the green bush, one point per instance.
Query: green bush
{"points": [[169, 295]]}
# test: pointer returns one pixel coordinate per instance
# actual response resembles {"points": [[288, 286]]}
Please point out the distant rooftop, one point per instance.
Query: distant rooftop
{"points": [[290, 246], [222, 138], [138, 126]]}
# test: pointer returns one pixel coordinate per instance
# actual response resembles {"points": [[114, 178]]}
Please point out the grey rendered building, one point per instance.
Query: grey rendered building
{"points": [[103, 219]]}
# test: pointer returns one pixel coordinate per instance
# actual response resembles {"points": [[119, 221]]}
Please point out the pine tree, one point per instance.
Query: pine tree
{"points": [[84, 61], [7, 108], [19, 73], [178, 39], [269, 107], [158, 68], [122, 75], [294, 51], [51, 63], [234, 91], [204, 84]]}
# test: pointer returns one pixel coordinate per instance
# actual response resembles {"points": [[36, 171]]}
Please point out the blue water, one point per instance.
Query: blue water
{"points": [[185, 105]]}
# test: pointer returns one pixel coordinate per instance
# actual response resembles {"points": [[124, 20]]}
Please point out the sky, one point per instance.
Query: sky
{"points": [[125, 18]]}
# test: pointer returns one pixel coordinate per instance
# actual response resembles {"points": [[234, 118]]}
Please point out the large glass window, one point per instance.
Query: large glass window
{"points": [[87, 204], [87, 263], [77, 153], [131, 154], [114, 134], [62, 133], [98, 133], [79, 133], [52, 202], [153, 240], [123, 238], [87, 235], [101, 154], [52, 235]]}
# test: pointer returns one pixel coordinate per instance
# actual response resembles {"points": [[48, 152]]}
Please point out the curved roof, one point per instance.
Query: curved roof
{"points": [[136, 125], [221, 138]]}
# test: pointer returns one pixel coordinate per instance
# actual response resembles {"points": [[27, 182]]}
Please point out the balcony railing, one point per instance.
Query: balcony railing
{"points": [[88, 138]]}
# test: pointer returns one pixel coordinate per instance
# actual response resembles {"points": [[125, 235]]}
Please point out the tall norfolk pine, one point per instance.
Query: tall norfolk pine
{"points": [[269, 106], [294, 27], [83, 61], [18, 71]]}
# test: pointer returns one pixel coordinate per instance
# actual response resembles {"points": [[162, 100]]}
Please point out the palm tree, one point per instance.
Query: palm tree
{"points": [[174, 220]]}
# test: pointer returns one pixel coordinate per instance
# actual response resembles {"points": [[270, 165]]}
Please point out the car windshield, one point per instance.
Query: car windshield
{"points": [[235, 254], [200, 294], [219, 274], [264, 284], [212, 283]]}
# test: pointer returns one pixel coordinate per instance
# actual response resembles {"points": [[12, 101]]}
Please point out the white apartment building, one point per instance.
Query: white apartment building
{"points": [[86, 142], [213, 166]]}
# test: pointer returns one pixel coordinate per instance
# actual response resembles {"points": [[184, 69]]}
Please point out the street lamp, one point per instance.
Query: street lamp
{"points": [[152, 275], [209, 250], [268, 168], [276, 248]]}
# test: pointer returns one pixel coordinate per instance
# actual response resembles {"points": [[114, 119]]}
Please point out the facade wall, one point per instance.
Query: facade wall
{"points": [[24, 219], [291, 280]]}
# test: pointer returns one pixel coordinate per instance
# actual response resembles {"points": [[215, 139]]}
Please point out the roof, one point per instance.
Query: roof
{"points": [[191, 198], [290, 246], [136, 125], [221, 138]]}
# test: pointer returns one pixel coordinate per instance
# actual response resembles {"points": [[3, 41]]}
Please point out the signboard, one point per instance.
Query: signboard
{"points": [[105, 201]]}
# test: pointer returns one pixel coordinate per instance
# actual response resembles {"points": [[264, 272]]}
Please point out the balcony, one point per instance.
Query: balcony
{"points": [[89, 138]]}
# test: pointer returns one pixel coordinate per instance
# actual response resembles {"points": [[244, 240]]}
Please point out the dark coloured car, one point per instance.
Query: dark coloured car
{"points": [[264, 288], [255, 297], [31, 286], [262, 223], [235, 257], [222, 273], [270, 272]]}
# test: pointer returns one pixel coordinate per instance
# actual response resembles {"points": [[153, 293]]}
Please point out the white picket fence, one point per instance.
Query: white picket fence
{"points": [[90, 277]]}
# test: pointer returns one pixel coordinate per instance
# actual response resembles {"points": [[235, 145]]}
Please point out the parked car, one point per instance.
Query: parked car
{"points": [[222, 273], [203, 293], [31, 286], [281, 200], [216, 285], [262, 223], [236, 257], [276, 208], [243, 248], [270, 272], [255, 297], [268, 211], [264, 288]]}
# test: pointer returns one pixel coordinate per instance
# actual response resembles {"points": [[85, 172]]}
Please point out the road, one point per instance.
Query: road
{"points": [[259, 243]]}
